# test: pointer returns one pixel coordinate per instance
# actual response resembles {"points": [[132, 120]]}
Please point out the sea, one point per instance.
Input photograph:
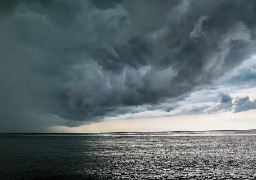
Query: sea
{"points": [[164, 155]]}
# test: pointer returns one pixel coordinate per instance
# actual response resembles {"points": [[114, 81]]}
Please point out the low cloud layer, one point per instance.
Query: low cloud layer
{"points": [[73, 62]]}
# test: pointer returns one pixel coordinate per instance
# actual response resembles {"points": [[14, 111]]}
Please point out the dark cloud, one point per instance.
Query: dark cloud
{"points": [[225, 104], [102, 4], [244, 75], [83, 60], [225, 98], [244, 104], [239, 104]]}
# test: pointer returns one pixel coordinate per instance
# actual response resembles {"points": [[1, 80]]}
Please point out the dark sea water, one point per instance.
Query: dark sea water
{"points": [[128, 156]]}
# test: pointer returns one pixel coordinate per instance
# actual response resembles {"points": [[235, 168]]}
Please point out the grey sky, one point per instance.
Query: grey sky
{"points": [[68, 62]]}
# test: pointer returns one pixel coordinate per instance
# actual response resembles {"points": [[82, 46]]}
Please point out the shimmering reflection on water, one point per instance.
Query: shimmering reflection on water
{"points": [[128, 157]]}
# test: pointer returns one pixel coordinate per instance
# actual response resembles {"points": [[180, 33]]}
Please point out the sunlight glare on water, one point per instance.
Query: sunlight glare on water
{"points": [[128, 156]]}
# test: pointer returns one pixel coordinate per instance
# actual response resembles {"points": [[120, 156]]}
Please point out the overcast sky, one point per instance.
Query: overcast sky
{"points": [[126, 65]]}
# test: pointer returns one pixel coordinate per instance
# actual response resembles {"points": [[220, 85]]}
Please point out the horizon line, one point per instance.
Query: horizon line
{"points": [[120, 132]]}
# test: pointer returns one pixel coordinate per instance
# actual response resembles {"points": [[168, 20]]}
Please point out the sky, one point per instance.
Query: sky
{"points": [[127, 65]]}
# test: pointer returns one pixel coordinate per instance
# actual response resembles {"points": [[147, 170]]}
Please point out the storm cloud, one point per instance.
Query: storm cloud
{"points": [[72, 62], [244, 104]]}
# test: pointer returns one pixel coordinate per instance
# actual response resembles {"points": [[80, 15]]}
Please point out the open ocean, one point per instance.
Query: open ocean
{"points": [[168, 155]]}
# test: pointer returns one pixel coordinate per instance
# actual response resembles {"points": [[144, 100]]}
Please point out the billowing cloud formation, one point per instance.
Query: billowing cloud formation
{"points": [[244, 104], [225, 104], [83, 60]]}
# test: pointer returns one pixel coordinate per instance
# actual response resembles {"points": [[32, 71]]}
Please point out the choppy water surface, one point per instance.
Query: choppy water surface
{"points": [[128, 156]]}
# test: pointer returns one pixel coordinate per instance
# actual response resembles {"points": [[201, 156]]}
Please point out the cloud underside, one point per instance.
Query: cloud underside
{"points": [[80, 61]]}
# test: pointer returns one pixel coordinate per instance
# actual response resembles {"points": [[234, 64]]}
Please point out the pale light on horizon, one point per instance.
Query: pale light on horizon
{"points": [[202, 122]]}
